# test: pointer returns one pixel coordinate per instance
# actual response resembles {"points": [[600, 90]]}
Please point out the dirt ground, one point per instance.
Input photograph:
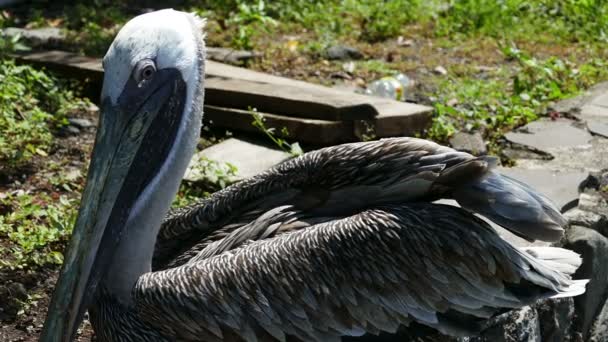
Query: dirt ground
{"points": [[25, 295]]}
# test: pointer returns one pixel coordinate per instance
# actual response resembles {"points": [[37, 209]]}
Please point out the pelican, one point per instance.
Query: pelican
{"points": [[342, 241]]}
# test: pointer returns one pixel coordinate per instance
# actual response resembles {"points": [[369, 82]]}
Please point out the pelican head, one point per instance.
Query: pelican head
{"points": [[151, 108]]}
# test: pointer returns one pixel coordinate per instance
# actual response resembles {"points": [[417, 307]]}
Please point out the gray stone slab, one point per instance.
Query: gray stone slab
{"points": [[38, 37], [597, 105], [590, 103], [249, 158], [546, 134], [231, 56], [598, 126], [559, 186]]}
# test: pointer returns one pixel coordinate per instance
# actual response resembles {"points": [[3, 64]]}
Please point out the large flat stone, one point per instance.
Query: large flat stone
{"points": [[596, 104], [43, 36], [598, 126], [250, 158], [559, 186], [591, 103], [546, 135]]}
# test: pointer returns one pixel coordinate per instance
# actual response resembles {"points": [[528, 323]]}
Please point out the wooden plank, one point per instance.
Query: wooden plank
{"points": [[288, 94], [391, 125], [318, 107], [289, 100], [69, 63], [311, 131]]}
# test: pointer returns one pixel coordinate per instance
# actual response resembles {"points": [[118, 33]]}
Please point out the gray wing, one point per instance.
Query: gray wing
{"points": [[341, 180], [365, 273]]}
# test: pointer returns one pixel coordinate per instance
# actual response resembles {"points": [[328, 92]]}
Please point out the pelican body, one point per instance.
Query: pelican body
{"points": [[342, 241]]}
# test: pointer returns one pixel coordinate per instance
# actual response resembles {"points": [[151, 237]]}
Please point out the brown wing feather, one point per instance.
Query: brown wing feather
{"points": [[369, 272], [333, 181]]}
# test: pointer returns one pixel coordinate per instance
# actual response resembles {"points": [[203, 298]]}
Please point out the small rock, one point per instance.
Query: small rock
{"points": [[597, 180], [230, 56], [469, 142], [440, 70], [519, 325], [12, 296], [404, 42], [593, 248], [349, 67], [555, 317], [342, 52], [588, 219], [340, 75], [72, 174], [592, 201], [92, 109], [17, 290], [69, 130], [484, 68], [452, 102], [80, 123]]}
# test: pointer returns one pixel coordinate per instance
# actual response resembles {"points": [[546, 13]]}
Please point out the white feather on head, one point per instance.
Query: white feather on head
{"points": [[166, 36]]}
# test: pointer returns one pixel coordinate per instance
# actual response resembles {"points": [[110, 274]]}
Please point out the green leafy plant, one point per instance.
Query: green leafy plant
{"points": [[259, 122], [512, 99], [249, 18], [32, 104], [37, 227], [10, 45]]}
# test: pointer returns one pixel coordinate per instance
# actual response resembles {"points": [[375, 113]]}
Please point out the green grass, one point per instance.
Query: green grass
{"points": [[92, 25], [36, 227], [513, 97], [32, 103]]}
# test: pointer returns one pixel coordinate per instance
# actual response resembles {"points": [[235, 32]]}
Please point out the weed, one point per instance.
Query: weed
{"points": [[258, 121], [512, 98], [249, 19], [36, 226], [27, 99]]}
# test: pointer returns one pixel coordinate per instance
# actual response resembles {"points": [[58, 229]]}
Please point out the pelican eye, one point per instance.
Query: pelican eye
{"points": [[144, 71]]}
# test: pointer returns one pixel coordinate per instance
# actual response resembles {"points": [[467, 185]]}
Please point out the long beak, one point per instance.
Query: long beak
{"points": [[118, 173]]}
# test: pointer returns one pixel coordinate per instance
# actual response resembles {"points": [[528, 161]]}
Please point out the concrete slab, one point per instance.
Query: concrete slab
{"points": [[591, 103], [50, 37], [249, 158], [546, 134], [598, 126]]}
